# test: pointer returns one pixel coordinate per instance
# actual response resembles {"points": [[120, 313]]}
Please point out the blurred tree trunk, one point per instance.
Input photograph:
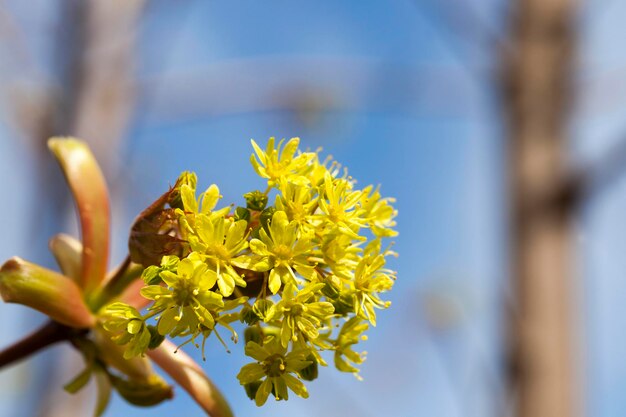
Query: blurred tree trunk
{"points": [[537, 93]]}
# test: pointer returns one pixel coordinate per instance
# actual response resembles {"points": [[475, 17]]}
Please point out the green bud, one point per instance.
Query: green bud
{"points": [[343, 305], [143, 393], [252, 388], [310, 372], [246, 315], [242, 213], [330, 291], [151, 276], [155, 338], [266, 217], [169, 263], [253, 334], [255, 200]]}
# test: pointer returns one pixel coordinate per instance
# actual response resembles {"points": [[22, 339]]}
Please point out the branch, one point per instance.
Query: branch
{"points": [[49, 334], [602, 174], [580, 186]]}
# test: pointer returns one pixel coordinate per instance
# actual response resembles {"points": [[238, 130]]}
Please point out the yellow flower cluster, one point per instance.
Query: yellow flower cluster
{"points": [[304, 274]]}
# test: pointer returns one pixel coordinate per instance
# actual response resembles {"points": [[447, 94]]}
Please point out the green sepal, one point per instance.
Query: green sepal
{"points": [[309, 372], [103, 388], [344, 304], [252, 388], [79, 381], [242, 213], [151, 276], [155, 337]]}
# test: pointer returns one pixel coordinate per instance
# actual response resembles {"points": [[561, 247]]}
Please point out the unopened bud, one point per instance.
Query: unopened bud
{"points": [[255, 200], [253, 334], [309, 372], [155, 338], [252, 388]]}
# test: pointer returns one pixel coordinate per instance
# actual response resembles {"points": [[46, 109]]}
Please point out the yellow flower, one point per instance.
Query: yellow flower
{"points": [[282, 252], [341, 254], [275, 367], [127, 327], [302, 313], [274, 164], [299, 202], [218, 241], [340, 206], [187, 301], [370, 279], [379, 212], [350, 334]]}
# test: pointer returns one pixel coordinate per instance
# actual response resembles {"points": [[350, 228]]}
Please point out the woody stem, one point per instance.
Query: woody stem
{"points": [[47, 335]]}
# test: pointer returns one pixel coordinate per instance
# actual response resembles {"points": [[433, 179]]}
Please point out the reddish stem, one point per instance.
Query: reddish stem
{"points": [[47, 335]]}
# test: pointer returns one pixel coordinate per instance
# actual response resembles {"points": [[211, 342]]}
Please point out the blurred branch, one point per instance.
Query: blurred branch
{"points": [[580, 186], [322, 82], [47, 335], [602, 173]]}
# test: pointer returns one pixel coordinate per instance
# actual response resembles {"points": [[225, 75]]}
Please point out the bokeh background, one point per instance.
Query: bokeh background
{"points": [[405, 93]]}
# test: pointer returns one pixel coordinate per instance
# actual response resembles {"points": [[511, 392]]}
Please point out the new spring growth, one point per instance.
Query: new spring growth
{"points": [[300, 263]]}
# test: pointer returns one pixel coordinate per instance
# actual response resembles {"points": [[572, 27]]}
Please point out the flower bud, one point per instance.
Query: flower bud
{"points": [[255, 200], [343, 305], [248, 316], [253, 334], [266, 217], [252, 388], [155, 338], [143, 393], [310, 372]]}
